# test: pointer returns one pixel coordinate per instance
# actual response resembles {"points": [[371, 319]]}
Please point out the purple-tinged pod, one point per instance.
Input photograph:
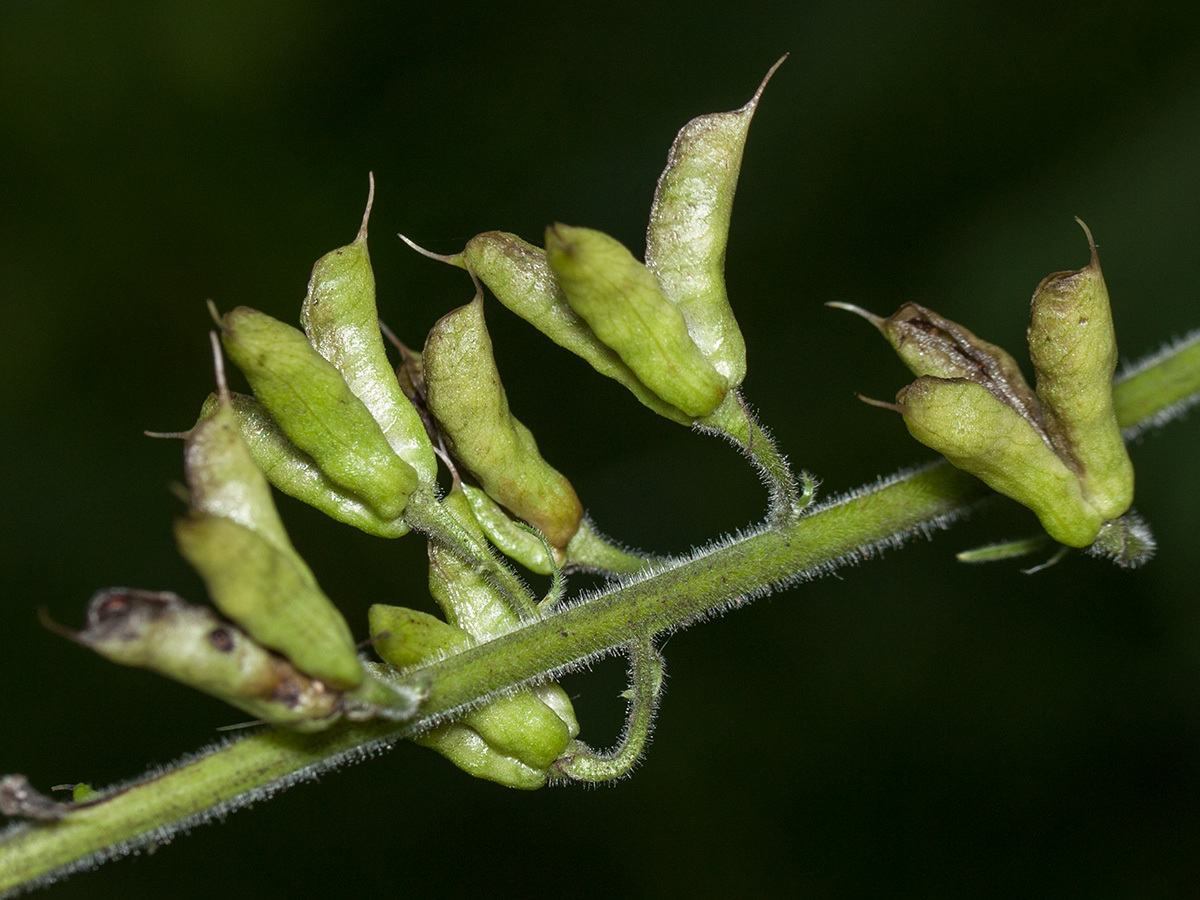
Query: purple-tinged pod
{"points": [[930, 344]]}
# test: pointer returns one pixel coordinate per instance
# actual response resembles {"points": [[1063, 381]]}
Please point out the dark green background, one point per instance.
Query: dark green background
{"points": [[911, 728]]}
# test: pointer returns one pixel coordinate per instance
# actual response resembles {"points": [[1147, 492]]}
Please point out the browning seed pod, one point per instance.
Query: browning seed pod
{"points": [[622, 302], [316, 409], [1074, 351], [341, 320], [161, 632], [689, 228], [465, 396], [268, 595], [519, 276], [930, 344]]}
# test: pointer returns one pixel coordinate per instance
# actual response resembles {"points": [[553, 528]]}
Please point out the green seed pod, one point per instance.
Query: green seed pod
{"points": [[621, 300], [510, 538], [224, 479], [341, 320], [518, 728], [689, 227], [295, 473], [465, 396], [930, 344], [517, 273], [190, 644], [316, 409], [467, 598], [1074, 351], [467, 749], [981, 434], [273, 599]]}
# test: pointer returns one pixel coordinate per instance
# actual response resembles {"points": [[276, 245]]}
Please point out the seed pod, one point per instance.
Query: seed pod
{"points": [[161, 632], [273, 599], [316, 409], [930, 344], [979, 433], [295, 473], [622, 302], [1074, 351], [464, 394], [342, 322], [689, 227], [513, 540], [517, 273], [224, 480], [519, 727], [467, 598]]}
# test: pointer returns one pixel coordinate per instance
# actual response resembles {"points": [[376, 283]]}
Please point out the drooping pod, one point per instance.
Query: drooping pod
{"points": [[235, 540], [689, 227], [1074, 350], [520, 277], [271, 597], [161, 632], [465, 396], [223, 477], [341, 320], [292, 471], [621, 301], [981, 434], [512, 740], [317, 410], [507, 536]]}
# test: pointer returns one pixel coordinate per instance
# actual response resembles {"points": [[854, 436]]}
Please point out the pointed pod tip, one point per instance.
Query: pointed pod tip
{"points": [[1091, 241], [61, 630], [219, 369], [857, 310], [882, 404], [752, 103], [361, 237], [454, 259]]}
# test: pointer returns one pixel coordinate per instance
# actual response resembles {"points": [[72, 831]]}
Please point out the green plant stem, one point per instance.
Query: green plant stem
{"points": [[665, 597], [581, 763]]}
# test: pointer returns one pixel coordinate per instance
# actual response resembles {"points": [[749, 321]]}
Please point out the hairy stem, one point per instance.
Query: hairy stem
{"points": [[664, 597]]}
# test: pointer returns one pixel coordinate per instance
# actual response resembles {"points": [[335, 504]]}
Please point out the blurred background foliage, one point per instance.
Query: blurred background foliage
{"points": [[913, 727]]}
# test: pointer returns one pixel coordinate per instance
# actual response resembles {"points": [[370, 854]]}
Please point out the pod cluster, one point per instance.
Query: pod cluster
{"points": [[663, 327], [283, 652], [1057, 448], [514, 739]]}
